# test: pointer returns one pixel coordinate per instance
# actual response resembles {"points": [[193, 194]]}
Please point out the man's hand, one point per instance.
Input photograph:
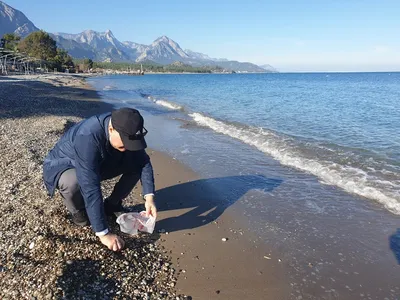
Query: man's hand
{"points": [[112, 241], [151, 209]]}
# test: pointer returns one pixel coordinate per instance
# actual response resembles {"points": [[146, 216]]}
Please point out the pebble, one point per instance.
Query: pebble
{"points": [[32, 245], [224, 239]]}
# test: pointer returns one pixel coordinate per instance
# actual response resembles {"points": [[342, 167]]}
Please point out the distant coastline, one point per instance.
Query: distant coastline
{"points": [[180, 73]]}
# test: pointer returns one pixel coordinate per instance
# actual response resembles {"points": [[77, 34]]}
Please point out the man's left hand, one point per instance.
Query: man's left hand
{"points": [[151, 209]]}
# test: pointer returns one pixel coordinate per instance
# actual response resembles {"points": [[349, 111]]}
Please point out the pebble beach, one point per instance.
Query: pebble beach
{"points": [[43, 255], [195, 252]]}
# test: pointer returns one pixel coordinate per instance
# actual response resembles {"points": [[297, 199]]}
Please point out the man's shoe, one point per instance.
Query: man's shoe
{"points": [[114, 210], [80, 218]]}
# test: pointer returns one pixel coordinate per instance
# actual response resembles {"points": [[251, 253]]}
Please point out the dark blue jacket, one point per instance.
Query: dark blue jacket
{"points": [[86, 147]]}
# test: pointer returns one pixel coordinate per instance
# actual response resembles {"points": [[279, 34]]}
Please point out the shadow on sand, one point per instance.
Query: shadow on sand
{"points": [[83, 279], [205, 200], [394, 243]]}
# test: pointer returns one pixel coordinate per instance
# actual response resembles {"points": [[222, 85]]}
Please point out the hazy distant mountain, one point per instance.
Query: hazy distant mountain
{"points": [[197, 55], [240, 66], [200, 59], [201, 56], [104, 46], [269, 68], [14, 21]]}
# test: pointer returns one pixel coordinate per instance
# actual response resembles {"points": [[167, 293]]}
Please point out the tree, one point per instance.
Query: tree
{"points": [[40, 45], [84, 65], [11, 41], [88, 63], [62, 60]]}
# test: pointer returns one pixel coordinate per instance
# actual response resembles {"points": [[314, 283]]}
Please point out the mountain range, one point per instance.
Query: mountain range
{"points": [[104, 46]]}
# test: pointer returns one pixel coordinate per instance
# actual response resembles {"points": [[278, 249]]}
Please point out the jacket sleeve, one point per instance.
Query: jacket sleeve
{"points": [[147, 176], [87, 164]]}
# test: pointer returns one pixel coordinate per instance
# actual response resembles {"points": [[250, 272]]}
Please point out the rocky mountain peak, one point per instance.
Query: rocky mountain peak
{"points": [[109, 33], [7, 11], [163, 38], [14, 21]]}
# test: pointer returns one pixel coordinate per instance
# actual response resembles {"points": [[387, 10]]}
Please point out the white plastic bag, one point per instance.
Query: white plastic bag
{"points": [[131, 222]]}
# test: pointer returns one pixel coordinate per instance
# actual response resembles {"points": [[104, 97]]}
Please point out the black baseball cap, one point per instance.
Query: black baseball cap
{"points": [[130, 125]]}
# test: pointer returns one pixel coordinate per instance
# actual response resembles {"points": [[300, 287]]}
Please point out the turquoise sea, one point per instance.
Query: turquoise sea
{"points": [[313, 160], [342, 128]]}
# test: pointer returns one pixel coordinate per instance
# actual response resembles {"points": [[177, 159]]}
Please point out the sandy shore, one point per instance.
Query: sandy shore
{"points": [[196, 225], [198, 248]]}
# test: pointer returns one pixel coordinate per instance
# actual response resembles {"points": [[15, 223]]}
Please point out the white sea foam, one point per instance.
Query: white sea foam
{"points": [[351, 179], [185, 151], [108, 88], [12, 80], [165, 103]]}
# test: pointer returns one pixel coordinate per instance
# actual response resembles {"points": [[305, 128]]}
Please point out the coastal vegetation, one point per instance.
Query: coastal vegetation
{"points": [[41, 47], [147, 67], [11, 41]]}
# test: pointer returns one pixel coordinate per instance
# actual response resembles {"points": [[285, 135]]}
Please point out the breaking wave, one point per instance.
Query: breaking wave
{"points": [[365, 182], [164, 103]]}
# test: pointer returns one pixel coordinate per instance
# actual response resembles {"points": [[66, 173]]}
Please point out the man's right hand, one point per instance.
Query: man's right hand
{"points": [[112, 241]]}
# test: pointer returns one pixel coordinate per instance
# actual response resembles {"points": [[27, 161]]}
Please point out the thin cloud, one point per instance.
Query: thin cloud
{"points": [[382, 49]]}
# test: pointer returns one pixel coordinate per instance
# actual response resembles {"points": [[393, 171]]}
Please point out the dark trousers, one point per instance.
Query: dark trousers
{"points": [[68, 186]]}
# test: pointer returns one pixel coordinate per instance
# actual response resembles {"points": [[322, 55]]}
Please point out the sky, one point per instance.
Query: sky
{"points": [[290, 35]]}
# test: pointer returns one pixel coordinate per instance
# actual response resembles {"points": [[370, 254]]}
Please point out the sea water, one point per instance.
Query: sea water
{"points": [[311, 163]]}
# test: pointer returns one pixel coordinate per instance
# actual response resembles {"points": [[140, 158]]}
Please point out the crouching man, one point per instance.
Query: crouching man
{"points": [[99, 148]]}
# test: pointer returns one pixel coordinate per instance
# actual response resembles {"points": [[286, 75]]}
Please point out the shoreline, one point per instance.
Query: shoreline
{"points": [[208, 267]]}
